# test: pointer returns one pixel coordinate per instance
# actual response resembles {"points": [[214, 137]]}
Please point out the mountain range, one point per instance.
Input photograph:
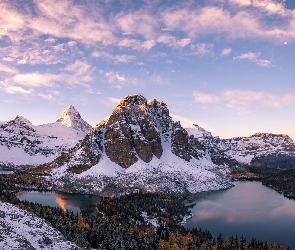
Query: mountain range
{"points": [[24, 145], [137, 147]]}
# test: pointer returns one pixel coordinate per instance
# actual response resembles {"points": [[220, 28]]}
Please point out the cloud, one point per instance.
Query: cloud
{"points": [[119, 80], [80, 76], [253, 57], [79, 68], [8, 69], [202, 49], [137, 23], [243, 23], [118, 58], [245, 101], [113, 100], [173, 41], [39, 52], [205, 98], [226, 52], [114, 76], [12, 22], [36, 79], [16, 90], [241, 2]]}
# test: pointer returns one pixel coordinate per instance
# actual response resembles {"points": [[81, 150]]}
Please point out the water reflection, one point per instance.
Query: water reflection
{"points": [[72, 202], [286, 210], [4, 171], [248, 209], [61, 202], [209, 210]]}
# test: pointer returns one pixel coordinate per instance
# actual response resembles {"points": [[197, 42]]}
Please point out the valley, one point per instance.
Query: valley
{"points": [[138, 159]]}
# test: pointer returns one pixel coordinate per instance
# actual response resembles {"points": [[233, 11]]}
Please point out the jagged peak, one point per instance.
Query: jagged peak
{"points": [[135, 99], [70, 117], [21, 119], [69, 110], [130, 101]]}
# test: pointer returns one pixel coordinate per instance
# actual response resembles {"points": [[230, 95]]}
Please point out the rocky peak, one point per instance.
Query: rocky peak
{"points": [[138, 129], [70, 117], [135, 99], [21, 120], [18, 124], [131, 132]]}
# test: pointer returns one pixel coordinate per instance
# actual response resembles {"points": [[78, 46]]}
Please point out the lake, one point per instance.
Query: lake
{"points": [[72, 202], [5, 171], [248, 209]]}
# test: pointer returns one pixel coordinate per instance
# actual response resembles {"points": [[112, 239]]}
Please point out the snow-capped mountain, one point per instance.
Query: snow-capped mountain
{"points": [[139, 146], [71, 118], [247, 149], [23, 144]]}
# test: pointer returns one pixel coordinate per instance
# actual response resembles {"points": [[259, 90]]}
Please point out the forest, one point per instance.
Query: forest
{"points": [[282, 161], [283, 182], [133, 221]]}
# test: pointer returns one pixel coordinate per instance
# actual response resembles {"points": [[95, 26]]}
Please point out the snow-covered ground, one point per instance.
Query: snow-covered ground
{"points": [[169, 173], [20, 229]]}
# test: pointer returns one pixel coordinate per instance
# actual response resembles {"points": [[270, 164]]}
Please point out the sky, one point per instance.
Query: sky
{"points": [[226, 65]]}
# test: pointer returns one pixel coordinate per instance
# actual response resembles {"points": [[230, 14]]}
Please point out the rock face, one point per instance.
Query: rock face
{"points": [[24, 145], [139, 146], [180, 142], [132, 133]]}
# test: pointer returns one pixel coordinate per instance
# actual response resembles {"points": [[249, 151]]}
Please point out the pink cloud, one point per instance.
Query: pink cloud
{"points": [[253, 57], [245, 101]]}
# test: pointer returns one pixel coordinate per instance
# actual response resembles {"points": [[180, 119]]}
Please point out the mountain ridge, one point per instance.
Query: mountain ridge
{"points": [[25, 145], [137, 147]]}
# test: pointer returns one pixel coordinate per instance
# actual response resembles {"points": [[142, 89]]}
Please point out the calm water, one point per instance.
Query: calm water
{"points": [[4, 171], [72, 202], [248, 209]]}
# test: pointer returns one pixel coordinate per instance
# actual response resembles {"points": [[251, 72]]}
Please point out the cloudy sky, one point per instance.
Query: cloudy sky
{"points": [[227, 65]]}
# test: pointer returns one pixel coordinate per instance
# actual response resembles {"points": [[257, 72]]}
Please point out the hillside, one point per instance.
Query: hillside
{"points": [[24, 230]]}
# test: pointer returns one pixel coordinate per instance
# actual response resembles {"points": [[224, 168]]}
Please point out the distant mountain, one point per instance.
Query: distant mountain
{"points": [[260, 149], [24, 145], [71, 118], [139, 146]]}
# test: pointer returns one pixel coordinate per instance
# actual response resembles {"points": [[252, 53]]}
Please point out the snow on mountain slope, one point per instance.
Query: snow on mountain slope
{"points": [[23, 230], [244, 149], [168, 174], [71, 118], [139, 146], [23, 144]]}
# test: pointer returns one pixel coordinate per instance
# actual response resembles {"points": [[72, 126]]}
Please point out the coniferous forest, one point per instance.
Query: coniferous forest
{"points": [[134, 221], [282, 182]]}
